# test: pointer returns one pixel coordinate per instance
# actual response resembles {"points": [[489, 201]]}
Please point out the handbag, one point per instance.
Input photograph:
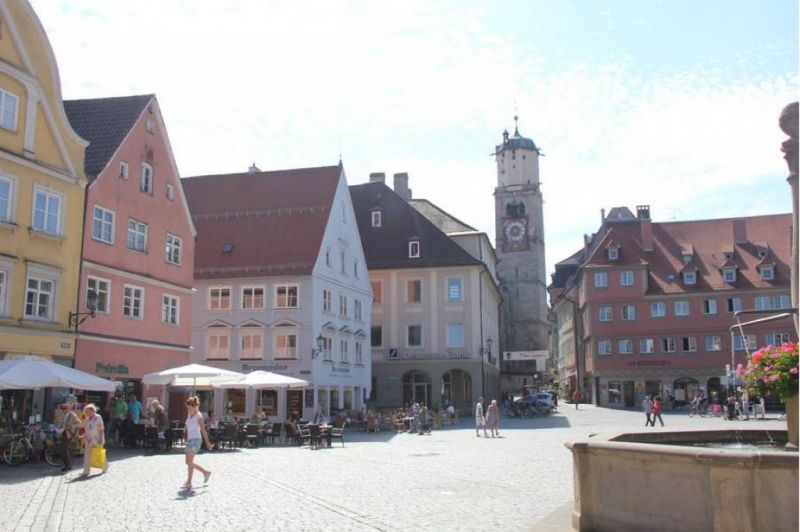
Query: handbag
{"points": [[98, 457]]}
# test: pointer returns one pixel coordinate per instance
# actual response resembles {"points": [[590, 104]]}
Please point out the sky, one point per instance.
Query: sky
{"points": [[672, 103]]}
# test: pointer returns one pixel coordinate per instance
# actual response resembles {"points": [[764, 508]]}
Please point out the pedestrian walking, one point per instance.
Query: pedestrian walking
{"points": [[493, 418], [70, 426], [480, 421], [647, 406], [194, 432], [162, 425], [94, 435], [657, 406], [576, 398]]}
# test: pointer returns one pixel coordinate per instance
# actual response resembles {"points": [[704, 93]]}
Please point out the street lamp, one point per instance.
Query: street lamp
{"points": [[91, 304], [486, 351], [315, 351]]}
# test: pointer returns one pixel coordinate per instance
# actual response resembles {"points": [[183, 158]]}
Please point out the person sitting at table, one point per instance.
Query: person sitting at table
{"points": [[228, 417]]}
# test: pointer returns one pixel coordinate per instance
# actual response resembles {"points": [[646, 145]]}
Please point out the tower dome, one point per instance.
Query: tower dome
{"points": [[517, 141]]}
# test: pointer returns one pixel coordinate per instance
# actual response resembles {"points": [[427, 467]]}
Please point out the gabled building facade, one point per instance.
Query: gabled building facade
{"points": [[436, 300], [279, 265], [654, 303], [42, 186], [138, 245]]}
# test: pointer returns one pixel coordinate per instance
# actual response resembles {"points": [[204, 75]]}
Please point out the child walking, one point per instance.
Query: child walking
{"points": [[195, 435]]}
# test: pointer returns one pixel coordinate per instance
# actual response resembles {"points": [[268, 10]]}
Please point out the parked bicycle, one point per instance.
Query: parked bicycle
{"points": [[20, 448]]}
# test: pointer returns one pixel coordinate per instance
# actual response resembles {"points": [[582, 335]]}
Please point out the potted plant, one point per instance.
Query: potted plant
{"points": [[774, 370]]}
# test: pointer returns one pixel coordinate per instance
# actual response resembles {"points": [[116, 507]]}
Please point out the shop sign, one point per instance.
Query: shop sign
{"points": [[65, 345], [113, 369], [340, 372], [394, 354], [268, 367], [542, 354]]}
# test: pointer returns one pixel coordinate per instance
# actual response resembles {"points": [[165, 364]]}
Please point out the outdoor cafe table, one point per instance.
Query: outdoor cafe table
{"points": [[325, 432]]}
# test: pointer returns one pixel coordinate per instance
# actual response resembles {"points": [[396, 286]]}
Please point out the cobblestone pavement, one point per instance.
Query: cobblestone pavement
{"points": [[449, 480]]}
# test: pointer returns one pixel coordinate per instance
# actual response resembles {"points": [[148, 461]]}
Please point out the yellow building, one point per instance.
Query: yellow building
{"points": [[42, 185]]}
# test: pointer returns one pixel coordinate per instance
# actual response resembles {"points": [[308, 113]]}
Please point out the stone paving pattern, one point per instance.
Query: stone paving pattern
{"points": [[449, 480]]}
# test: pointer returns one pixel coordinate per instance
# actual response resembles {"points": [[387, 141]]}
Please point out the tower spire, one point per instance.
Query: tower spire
{"points": [[516, 129]]}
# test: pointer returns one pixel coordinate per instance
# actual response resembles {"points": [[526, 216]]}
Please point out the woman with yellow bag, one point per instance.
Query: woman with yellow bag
{"points": [[94, 440]]}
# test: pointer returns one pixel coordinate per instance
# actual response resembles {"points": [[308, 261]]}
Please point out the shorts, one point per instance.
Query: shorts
{"points": [[193, 445]]}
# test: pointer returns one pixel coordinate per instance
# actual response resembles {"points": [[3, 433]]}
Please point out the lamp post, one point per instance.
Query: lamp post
{"points": [[315, 351], [91, 304], [486, 351]]}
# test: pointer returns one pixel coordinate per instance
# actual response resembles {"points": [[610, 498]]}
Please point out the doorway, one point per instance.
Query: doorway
{"points": [[628, 393]]}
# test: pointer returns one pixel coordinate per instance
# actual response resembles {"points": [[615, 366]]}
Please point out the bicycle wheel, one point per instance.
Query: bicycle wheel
{"points": [[15, 452], [51, 455]]}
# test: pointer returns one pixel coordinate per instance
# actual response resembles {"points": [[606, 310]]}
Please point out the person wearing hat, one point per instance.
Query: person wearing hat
{"points": [[69, 431]]}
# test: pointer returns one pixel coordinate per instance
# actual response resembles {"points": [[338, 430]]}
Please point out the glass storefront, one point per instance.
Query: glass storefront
{"points": [[615, 393]]}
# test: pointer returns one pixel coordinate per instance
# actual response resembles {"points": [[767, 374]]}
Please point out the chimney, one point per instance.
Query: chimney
{"points": [[602, 216], [253, 169], [377, 177], [646, 226], [401, 186], [739, 232]]}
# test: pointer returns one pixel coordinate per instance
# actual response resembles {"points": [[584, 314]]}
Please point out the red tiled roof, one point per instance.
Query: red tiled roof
{"points": [[260, 224], [709, 240]]}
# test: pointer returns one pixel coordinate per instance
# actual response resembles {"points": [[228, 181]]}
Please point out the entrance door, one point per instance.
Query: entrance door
{"points": [[628, 392]]}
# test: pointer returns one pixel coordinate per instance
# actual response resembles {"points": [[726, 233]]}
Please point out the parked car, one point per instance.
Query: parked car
{"points": [[544, 398]]}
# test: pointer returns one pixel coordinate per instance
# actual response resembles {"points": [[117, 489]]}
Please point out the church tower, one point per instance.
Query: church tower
{"points": [[519, 242]]}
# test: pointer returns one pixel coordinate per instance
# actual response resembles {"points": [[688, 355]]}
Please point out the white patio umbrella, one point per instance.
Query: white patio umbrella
{"points": [[257, 380], [191, 375], [30, 372]]}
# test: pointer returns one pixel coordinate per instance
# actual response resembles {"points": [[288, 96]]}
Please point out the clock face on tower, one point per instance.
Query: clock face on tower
{"points": [[515, 232]]}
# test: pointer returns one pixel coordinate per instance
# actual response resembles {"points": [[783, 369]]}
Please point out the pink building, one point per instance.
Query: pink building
{"points": [[138, 244], [654, 303]]}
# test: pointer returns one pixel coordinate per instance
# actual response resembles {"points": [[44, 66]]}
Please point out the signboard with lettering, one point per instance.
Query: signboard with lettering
{"points": [[542, 354], [112, 369], [394, 354]]}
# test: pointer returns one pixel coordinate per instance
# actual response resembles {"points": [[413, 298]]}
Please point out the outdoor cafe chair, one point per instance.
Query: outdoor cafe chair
{"points": [[304, 435], [275, 433], [229, 436], [337, 434], [251, 434], [316, 436]]}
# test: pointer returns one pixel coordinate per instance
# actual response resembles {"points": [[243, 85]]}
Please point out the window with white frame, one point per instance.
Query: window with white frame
{"points": [[729, 275], [606, 313], [713, 343], [101, 289], [767, 273], [6, 198], [252, 344], [734, 304], [625, 346], [219, 298], [132, 297], [327, 349], [343, 305], [327, 300], [414, 291], [150, 124], [376, 218], [219, 345], [689, 344], [455, 289], [778, 338], [413, 249], [103, 225], [40, 298], [689, 277], [47, 206], [286, 296], [123, 170], [455, 335], [285, 345], [681, 308], [604, 347], [772, 303], [344, 351], [357, 312], [414, 337], [174, 245], [9, 109], [613, 253], [628, 312], [709, 306], [170, 192], [146, 179], [359, 353], [170, 309], [626, 278], [780, 302], [647, 346], [668, 345], [137, 235], [740, 342], [658, 309], [600, 279], [252, 297], [377, 292], [343, 261]]}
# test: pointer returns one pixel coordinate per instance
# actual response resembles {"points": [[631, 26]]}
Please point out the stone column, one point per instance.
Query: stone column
{"points": [[788, 124]]}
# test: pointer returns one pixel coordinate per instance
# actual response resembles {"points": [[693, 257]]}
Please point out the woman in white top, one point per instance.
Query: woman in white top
{"points": [[480, 421], [194, 433]]}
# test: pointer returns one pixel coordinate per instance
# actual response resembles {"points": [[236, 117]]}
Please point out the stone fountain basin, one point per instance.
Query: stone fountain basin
{"points": [[661, 481]]}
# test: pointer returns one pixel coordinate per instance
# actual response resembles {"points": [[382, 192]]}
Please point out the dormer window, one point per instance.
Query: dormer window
{"points": [[123, 170], [687, 259], [690, 277], [413, 249], [729, 274], [767, 273], [150, 125], [613, 253], [376, 218]]}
